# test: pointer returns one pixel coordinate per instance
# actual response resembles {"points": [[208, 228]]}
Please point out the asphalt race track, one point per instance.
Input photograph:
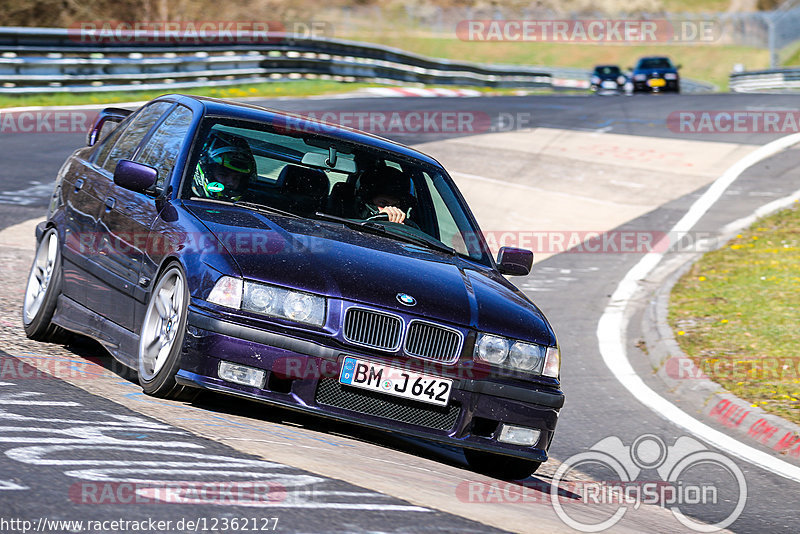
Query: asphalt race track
{"points": [[59, 441]]}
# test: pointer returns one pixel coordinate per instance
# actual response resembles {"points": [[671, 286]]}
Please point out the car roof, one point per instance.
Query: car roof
{"points": [[244, 111]]}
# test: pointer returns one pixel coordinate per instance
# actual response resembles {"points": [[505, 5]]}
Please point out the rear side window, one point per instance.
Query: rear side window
{"points": [[107, 143], [126, 142], [163, 147]]}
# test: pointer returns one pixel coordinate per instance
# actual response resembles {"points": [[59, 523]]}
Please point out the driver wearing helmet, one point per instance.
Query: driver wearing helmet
{"points": [[385, 191], [225, 168]]}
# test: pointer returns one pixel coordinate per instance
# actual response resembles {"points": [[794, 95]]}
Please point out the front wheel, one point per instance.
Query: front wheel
{"points": [[162, 335], [42, 291], [500, 466]]}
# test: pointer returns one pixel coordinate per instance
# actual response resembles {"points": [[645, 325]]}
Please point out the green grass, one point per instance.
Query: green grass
{"points": [[695, 6], [736, 314], [298, 88], [269, 89]]}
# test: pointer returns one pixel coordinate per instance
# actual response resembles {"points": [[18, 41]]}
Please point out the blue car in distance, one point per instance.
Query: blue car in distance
{"points": [[656, 74], [226, 247], [608, 78]]}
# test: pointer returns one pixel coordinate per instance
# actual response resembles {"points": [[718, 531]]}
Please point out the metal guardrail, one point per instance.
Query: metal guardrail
{"points": [[61, 60], [771, 80]]}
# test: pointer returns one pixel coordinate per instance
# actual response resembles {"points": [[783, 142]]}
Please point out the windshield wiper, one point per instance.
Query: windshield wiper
{"points": [[248, 205], [388, 231], [358, 225], [421, 240], [265, 209]]}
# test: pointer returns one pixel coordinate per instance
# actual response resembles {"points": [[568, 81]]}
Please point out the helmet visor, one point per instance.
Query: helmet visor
{"points": [[232, 158]]}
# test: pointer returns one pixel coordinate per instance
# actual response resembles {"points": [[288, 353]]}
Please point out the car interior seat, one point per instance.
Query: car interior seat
{"points": [[304, 190]]}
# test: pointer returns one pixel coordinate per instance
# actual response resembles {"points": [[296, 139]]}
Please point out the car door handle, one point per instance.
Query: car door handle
{"points": [[110, 203], [78, 184]]}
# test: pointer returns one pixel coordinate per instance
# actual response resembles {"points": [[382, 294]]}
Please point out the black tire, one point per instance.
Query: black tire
{"points": [[157, 368], [500, 466], [39, 303]]}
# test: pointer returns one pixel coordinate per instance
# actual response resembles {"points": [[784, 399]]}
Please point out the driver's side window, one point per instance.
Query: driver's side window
{"points": [[123, 145]]}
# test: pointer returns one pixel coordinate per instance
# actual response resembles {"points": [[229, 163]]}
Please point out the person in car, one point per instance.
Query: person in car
{"points": [[385, 191], [225, 168]]}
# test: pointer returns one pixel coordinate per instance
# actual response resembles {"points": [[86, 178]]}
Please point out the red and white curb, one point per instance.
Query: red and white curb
{"points": [[420, 91], [574, 84], [612, 327]]}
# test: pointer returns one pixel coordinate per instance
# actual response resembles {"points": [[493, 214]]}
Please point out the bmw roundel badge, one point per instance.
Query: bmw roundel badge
{"points": [[406, 300]]}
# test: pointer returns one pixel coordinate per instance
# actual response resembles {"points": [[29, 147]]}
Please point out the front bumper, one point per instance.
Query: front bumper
{"points": [[653, 85], [303, 375]]}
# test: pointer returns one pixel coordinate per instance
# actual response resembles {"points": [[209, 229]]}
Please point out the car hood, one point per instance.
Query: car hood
{"points": [[340, 262]]}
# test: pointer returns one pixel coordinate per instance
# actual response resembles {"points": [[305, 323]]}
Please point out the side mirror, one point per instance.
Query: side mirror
{"points": [[107, 117], [135, 176], [514, 261], [678, 67]]}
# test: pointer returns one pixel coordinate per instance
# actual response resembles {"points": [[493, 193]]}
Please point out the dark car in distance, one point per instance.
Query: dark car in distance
{"points": [[656, 74], [608, 78], [218, 246]]}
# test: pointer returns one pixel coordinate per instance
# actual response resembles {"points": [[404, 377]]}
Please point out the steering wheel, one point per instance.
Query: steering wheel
{"points": [[382, 216]]}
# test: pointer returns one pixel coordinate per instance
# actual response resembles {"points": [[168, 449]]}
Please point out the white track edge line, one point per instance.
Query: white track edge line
{"points": [[612, 326]]}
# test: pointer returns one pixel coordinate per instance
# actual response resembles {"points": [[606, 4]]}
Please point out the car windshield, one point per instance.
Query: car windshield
{"points": [[655, 63], [607, 70], [312, 175]]}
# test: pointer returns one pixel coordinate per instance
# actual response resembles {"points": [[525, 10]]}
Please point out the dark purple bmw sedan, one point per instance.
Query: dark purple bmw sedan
{"points": [[218, 246]]}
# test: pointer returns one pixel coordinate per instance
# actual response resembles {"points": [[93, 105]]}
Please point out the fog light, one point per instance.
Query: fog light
{"points": [[241, 374], [518, 435]]}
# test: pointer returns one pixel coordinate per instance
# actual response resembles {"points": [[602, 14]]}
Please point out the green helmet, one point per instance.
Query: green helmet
{"points": [[225, 168]]}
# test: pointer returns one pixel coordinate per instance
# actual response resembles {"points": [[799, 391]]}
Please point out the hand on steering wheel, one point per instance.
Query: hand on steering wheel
{"points": [[382, 216], [394, 214]]}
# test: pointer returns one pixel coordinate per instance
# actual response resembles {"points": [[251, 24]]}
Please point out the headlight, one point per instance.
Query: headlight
{"points": [[671, 76], [621, 80], [526, 357], [269, 300], [595, 80], [304, 308], [284, 303], [261, 299], [518, 355], [640, 77], [492, 349]]}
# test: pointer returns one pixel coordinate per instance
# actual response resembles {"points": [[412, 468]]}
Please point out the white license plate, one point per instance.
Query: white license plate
{"points": [[609, 85], [393, 381]]}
